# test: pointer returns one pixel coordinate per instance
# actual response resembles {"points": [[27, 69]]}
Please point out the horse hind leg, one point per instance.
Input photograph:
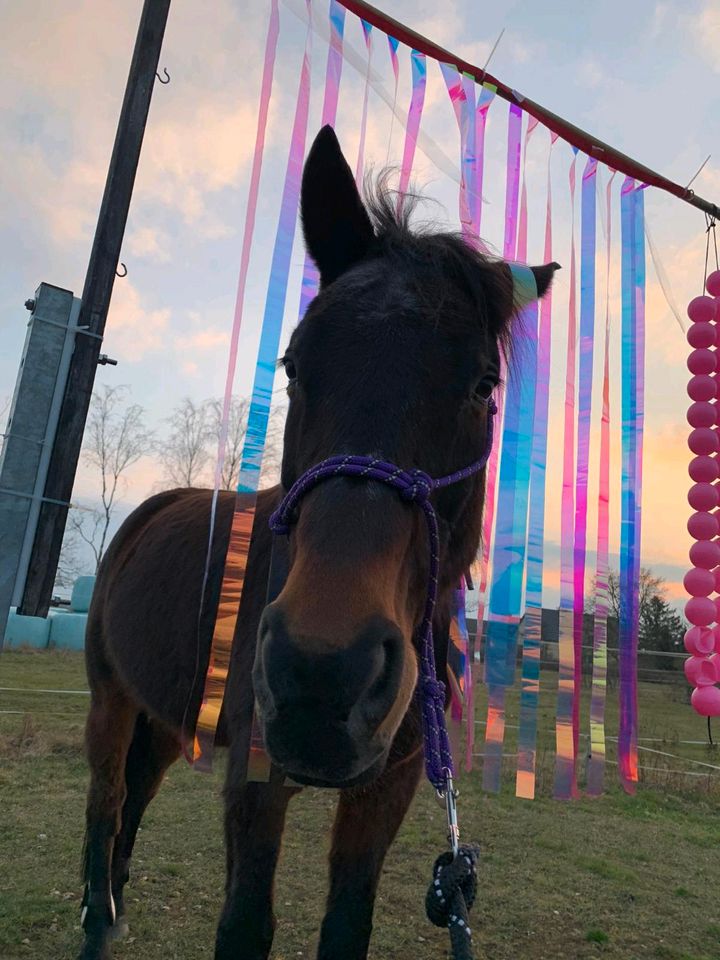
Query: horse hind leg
{"points": [[154, 748], [108, 735]]}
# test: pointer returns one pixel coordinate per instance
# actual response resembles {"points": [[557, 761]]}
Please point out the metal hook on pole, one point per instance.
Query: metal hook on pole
{"points": [[124, 274], [167, 77]]}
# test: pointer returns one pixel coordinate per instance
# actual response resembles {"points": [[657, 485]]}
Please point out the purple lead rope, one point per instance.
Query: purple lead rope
{"points": [[414, 486]]}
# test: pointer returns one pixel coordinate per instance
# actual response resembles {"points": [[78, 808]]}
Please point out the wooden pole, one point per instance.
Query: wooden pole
{"points": [[96, 296]]}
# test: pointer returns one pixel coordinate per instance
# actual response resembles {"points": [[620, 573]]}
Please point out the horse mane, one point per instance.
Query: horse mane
{"points": [[398, 235]]}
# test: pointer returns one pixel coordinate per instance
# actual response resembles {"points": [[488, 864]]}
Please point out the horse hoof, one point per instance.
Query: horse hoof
{"points": [[120, 929]]}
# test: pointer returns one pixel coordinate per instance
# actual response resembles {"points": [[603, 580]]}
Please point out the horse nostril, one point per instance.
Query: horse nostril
{"points": [[384, 688]]}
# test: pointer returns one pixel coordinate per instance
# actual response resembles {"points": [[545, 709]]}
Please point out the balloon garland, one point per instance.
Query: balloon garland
{"points": [[702, 640]]}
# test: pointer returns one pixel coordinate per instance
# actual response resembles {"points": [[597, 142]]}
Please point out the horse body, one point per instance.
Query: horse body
{"points": [[396, 358]]}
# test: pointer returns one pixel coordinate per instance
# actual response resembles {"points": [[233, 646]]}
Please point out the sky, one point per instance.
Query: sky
{"points": [[641, 76]]}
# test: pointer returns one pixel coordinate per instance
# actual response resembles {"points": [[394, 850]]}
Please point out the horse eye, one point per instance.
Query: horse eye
{"points": [[290, 370], [484, 388]]}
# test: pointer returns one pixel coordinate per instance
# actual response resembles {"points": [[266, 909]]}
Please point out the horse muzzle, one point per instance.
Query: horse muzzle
{"points": [[324, 706]]}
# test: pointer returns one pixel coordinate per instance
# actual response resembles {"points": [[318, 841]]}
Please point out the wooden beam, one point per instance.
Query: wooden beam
{"points": [[96, 296], [568, 132]]}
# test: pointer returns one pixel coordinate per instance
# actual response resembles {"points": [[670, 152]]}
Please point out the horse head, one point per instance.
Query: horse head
{"points": [[396, 358]]}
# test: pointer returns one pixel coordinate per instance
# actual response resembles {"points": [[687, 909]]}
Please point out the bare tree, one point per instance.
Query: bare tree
{"points": [[185, 453], [115, 438], [237, 428], [189, 452], [650, 586], [70, 564]]}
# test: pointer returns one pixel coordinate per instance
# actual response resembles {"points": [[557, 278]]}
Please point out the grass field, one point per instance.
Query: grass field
{"points": [[617, 877]]}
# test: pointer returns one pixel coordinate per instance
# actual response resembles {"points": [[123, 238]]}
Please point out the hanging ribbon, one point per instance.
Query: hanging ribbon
{"points": [[457, 668], [367, 33], [511, 524], [633, 362], [565, 769], [393, 45], [258, 417], [588, 228], [485, 98], [333, 74], [479, 569], [596, 763], [532, 640], [462, 96], [412, 127]]}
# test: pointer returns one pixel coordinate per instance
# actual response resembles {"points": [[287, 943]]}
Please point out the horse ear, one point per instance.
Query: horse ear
{"points": [[336, 225], [530, 283], [544, 277]]}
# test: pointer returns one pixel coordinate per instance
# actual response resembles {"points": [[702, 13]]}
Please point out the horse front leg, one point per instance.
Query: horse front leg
{"points": [[366, 822], [254, 823]]}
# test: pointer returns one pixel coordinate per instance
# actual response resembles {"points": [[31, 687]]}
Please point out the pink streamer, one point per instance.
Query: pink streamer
{"points": [[484, 100], [565, 772], [367, 33], [333, 74], [250, 214], [412, 127], [596, 766]]}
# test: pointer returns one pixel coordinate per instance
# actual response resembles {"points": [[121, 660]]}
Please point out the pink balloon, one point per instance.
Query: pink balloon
{"points": [[706, 701], [702, 387], [702, 414], [712, 284], [702, 361], [701, 309], [705, 554], [703, 496], [700, 611], [699, 582], [702, 335], [704, 469], [700, 641], [703, 441], [703, 526], [716, 634], [700, 671]]}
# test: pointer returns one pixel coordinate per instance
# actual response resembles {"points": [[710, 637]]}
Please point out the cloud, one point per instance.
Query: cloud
{"points": [[202, 340], [133, 330], [149, 243], [704, 24]]}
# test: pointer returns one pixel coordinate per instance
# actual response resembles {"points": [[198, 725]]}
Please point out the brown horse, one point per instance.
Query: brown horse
{"points": [[396, 357]]}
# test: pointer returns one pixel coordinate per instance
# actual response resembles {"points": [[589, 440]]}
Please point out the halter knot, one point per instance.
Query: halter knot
{"points": [[433, 689], [420, 490]]}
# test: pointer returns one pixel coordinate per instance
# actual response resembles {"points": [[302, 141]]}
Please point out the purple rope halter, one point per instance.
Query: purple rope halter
{"points": [[414, 486]]}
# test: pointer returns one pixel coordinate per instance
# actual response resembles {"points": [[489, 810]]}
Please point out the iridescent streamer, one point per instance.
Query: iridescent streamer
{"points": [[588, 235], [565, 769], [393, 45], [484, 99], [462, 96], [532, 640], [633, 361], [512, 181], [457, 668], [511, 523], [259, 414], [265, 92], [596, 763], [479, 569], [333, 74], [367, 33], [412, 127]]}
